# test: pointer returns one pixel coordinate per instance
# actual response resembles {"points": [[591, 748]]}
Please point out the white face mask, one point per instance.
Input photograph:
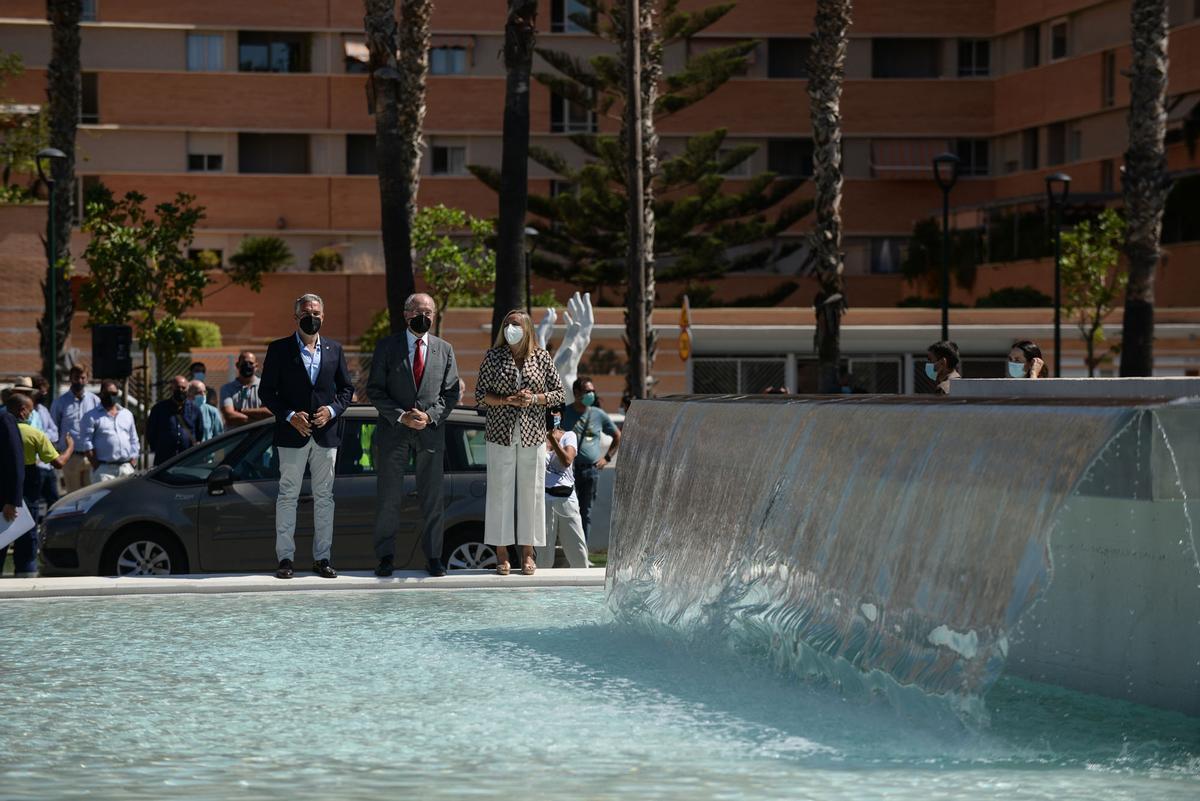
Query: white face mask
{"points": [[1016, 370], [513, 334]]}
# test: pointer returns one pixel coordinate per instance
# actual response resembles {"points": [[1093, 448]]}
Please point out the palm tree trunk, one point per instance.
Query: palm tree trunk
{"points": [[399, 64], [640, 341], [520, 35], [1145, 181], [64, 89], [826, 69]]}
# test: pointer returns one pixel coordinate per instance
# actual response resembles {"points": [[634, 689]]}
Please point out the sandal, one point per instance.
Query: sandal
{"points": [[528, 568], [502, 568]]}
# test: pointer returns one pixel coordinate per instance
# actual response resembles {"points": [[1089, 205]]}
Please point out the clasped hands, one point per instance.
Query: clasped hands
{"points": [[305, 423], [523, 399], [415, 419]]}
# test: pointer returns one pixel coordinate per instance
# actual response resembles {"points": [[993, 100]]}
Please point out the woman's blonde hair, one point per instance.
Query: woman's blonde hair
{"points": [[528, 343]]}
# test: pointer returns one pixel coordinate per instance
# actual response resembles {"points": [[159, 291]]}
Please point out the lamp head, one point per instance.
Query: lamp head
{"points": [[945, 170], [50, 154], [1057, 186], [530, 238]]}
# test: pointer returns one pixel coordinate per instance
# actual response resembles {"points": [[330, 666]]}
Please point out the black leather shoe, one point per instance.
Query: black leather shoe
{"points": [[285, 569], [436, 568], [385, 568], [323, 569]]}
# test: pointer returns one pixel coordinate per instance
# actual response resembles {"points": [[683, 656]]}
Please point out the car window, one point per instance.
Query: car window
{"points": [[358, 454], [466, 450], [195, 467], [259, 462]]}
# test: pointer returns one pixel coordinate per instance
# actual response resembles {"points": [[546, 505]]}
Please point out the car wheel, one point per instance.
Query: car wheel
{"points": [[470, 553], [144, 553]]}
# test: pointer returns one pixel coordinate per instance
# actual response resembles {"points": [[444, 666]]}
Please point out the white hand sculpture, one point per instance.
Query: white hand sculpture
{"points": [[579, 319], [545, 327]]}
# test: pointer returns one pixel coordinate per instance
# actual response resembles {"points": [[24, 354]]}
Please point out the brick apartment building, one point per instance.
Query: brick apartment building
{"points": [[259, 110]]}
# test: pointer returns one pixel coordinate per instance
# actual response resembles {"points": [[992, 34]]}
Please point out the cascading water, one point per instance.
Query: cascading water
{"points": [[897, 542]]}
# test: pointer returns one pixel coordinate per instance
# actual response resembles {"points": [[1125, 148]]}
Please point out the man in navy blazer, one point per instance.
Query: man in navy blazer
{"points": [[306, 385], [12, 467]]}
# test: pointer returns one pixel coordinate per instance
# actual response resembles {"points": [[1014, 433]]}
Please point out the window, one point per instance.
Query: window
{"points": [[360, 154], [266, 51], [787, 58], [205, 162], [1056, 143], [1107, 174], [561, 12], [273, 153], [1032, 40], [886, 255], [466, 450], [195, 467], [356, 56], [569, 117], [790, 157], [448, 60], [974, 58], [449, 160], [88, 10], [259, 462], [1058, 40], [1029, 149], [972, 156], [1108, 78], [906, 58], [90, 105], [205, 52]]}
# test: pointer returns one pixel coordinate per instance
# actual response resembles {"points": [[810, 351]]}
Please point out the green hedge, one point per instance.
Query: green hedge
{"points": [[201, 333]]}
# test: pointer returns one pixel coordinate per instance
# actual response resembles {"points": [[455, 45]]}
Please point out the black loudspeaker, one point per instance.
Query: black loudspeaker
{"points": [[111, 357]]}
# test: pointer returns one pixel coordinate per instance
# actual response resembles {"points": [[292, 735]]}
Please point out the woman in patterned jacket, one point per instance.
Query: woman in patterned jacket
{"points": [[517, 383]]}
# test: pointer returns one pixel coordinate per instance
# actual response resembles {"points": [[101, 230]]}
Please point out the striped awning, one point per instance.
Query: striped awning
{"points": [[905, 158]]}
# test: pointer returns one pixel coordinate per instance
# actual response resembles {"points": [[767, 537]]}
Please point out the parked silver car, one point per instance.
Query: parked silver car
{"points": [[212, 509]]}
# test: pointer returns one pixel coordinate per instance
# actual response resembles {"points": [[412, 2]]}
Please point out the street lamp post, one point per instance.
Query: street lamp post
{"points": [[530, 246], [51, 155], [1057, 187], [945, 172]]}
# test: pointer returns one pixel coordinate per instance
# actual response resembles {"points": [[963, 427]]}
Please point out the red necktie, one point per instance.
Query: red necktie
{"points": [[418, 364]]}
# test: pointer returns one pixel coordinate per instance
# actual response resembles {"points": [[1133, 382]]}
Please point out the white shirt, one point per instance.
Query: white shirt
{"points": [[412, 350], [113, 438], [557, 474]]}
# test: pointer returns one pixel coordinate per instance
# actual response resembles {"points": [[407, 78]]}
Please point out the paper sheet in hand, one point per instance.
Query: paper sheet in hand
{"points": [[19, 525]]}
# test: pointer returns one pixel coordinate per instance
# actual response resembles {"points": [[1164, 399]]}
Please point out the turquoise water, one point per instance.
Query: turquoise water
{"points": [[518, 694]]}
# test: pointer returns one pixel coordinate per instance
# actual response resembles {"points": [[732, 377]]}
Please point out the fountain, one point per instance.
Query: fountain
{"points": [[898, 544]]}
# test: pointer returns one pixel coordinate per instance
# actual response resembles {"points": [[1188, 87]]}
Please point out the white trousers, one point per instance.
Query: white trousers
{"points": [[320, 463], [563, 524], [515, 483], [111, 472]]}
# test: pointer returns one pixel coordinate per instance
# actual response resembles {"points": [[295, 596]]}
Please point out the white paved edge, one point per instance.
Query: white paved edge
{"points": [[97, 586]]}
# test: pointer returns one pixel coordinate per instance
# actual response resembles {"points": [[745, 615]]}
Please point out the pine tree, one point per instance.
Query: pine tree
{"points": [[694, 218]]}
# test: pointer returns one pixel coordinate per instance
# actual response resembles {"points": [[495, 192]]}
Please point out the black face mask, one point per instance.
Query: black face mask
{"points": [[246, 370], [77, 386], [178, 395], [420, 324], [310, 324], [107, 400]]}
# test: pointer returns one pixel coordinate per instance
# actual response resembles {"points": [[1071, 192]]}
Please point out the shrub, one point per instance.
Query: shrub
{"points": [[1015, 297], [256, 256], [325, 260], [200, 334]]}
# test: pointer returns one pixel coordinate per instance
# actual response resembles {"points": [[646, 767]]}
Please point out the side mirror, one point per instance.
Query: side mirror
{"points": [[220, 478]]}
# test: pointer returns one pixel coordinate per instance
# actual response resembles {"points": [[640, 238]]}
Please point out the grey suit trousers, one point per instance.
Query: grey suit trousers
{"points": [[396, 445]]}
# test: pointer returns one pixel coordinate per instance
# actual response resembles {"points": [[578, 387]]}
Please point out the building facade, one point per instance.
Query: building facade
{"points": [[259, 109]]}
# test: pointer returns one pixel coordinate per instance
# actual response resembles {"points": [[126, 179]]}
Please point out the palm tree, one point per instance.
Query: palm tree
{"points": [[1145, 182], [826, 69], [520, 37], [398, 65], [64, 88]]}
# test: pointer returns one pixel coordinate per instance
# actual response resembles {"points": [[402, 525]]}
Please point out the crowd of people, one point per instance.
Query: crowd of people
{"points": [[544, 455]]}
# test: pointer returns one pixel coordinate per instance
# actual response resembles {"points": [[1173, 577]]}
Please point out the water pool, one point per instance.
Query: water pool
{"points": [[516, 694]]}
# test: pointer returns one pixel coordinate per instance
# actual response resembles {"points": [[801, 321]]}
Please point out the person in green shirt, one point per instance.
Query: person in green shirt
{"points": [[35, 445]]}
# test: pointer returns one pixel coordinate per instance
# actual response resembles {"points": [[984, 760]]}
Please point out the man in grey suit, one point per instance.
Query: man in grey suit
{"points": [[414, 385]]}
